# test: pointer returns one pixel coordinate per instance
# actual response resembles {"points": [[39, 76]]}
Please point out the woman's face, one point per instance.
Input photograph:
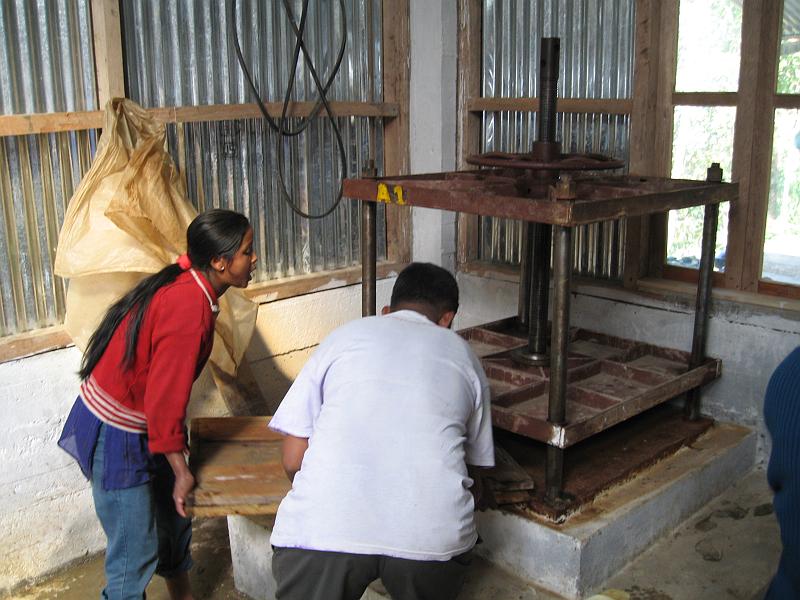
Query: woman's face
{"points": [[239, 268]]}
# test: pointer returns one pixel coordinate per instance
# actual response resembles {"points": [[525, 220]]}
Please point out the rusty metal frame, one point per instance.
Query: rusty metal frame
{"points": [[504, 193], [494, 192]]}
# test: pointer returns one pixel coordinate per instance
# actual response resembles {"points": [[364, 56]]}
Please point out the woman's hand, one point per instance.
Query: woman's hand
{"points": [[184, 480], [183, 486]]}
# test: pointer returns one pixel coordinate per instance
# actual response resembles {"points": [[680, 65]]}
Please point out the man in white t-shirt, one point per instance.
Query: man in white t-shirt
{"points": [[381, 425]]}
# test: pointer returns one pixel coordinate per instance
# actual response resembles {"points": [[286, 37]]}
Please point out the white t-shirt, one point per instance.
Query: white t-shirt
{"points": [[394, 407]]}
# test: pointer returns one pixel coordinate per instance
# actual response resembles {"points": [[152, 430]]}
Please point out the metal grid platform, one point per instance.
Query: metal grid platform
{"points": [[609, 380]]}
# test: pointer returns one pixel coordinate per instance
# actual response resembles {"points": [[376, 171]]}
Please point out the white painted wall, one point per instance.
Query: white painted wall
{"points": [[432, 117], [46, 511], [45, 504]]}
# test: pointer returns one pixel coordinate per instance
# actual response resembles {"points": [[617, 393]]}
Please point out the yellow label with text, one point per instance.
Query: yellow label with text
{"points": [[393, 197]]}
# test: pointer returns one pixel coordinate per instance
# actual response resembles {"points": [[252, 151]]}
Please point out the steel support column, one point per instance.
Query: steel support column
{"points": [[703, 301], [369, 255], [557, 405], [540, 236]]}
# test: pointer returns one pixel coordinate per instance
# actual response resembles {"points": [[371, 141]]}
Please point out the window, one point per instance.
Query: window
{"points": [[703, 134], [718, 77], [709, 43], [782, 241], [781, 261]]}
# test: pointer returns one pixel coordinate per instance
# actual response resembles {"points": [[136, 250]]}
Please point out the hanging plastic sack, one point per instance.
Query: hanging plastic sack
{"points": [[128, 219]]}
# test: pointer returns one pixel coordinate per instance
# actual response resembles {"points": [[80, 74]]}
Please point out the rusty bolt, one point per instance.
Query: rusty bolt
{"points": [[714, 173], [564, 189]]}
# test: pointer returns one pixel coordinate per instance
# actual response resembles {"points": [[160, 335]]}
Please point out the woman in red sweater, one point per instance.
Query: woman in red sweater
{"points": [[126, 428]]}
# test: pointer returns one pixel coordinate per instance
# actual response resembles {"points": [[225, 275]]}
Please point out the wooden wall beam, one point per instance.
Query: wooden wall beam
{"points": [[613, 106], [107, 38], [705, 98], [49, 122], [787, 101], [289, 287], [73, 121]]}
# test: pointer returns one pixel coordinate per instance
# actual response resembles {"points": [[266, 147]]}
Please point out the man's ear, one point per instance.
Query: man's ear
{"points": [[385, 310], [446, 320]]}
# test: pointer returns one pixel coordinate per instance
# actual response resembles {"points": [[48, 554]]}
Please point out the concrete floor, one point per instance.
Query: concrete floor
{"points": [[728, 550]]}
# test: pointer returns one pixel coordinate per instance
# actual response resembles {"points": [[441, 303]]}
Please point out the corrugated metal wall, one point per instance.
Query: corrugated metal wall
{"points": [[181, 53], [46, 56], [46, 65], [596, 62]]}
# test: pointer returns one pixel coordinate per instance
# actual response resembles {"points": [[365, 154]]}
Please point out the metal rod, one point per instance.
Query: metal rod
{"points": [[554, 474], [369, 249], [535, 276], [368, 258], [369, 210], [525, 263], [692, 408], [557, 402], [548, 88], [540, 242]]}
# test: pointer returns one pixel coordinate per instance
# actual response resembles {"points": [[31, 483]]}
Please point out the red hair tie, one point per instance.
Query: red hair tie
{"points": [[184, 262]]}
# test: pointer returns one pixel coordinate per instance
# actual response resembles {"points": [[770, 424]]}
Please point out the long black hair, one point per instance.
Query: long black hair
{"points": [[214, 233]]}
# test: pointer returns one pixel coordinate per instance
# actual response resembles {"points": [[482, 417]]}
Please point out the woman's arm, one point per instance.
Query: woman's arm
{"points": [[184, 480]]}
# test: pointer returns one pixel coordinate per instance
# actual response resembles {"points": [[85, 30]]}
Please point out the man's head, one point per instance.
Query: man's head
{"points": [[427, 289]]}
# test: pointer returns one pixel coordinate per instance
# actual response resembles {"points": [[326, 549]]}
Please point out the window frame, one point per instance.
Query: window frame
{"points": [[755, 103], [651, 110], [109, 72]]}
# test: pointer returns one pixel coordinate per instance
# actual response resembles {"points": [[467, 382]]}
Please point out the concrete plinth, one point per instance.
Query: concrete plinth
{"points": [[575, 558], [251, 555]]}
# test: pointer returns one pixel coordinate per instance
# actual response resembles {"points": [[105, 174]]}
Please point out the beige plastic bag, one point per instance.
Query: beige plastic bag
{"points": [[128, 219]]}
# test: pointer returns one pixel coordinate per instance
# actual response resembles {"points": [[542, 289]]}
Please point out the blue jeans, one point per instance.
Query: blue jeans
{"points": [[145, 534]]}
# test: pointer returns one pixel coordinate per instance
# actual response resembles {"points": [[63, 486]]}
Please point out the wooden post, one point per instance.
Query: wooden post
{"points": [[662, 149], [396, 78], [752, 148], [468, 128], [109, 68], [643, 127]]}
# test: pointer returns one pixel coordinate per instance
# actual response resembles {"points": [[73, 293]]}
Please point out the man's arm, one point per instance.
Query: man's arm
{"points": [[292, 452], [481, 488]]}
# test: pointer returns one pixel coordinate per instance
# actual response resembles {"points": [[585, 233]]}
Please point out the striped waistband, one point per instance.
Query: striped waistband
{"points": [[103, 406]]}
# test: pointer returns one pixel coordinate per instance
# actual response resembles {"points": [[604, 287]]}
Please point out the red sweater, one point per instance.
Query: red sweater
{"points": [[174, 343]]}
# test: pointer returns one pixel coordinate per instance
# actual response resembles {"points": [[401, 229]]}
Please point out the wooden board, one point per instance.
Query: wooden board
{"points": [[237, 464], [510, 483]]}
